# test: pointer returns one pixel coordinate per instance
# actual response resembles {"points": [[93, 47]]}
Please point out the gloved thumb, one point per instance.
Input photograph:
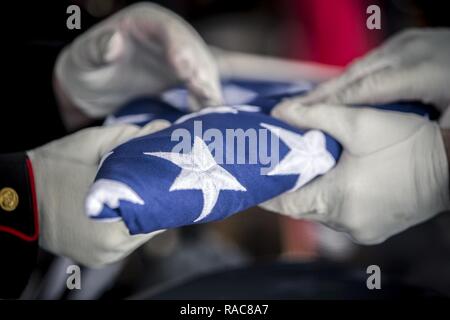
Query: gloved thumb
{"points": [[119, 134], [200, 76], [337, 121], [358, 129], [362, 73], [385, 86], [88, 146]]}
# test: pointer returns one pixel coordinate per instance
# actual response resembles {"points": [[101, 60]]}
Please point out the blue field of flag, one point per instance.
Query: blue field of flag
{"points": [[210, 164]]}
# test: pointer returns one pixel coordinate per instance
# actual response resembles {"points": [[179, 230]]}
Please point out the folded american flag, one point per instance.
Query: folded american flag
{"points": [[210, 164]]}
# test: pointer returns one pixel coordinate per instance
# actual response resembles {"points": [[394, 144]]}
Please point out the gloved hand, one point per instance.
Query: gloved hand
{"points": [[140, 50], [413, 65], [392, 174], [63, 172]]}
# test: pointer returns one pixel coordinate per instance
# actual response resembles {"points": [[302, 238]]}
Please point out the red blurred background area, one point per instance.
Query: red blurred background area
{"points": [[334, 33]]}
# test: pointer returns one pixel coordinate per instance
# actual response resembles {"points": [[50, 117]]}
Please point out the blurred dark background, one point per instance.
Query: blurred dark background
{"points": [[323, 31]]}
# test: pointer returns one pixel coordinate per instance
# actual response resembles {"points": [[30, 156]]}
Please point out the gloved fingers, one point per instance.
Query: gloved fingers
{"points": [[397, 42], [124, 133], [374, 63], [355, 73], [194, 65], [384, 86], [109, 242], [115, 243], [391, 55], [309, 202], [336, 120], [184, 50], [200, 76], [142, 49], [88, 146]]}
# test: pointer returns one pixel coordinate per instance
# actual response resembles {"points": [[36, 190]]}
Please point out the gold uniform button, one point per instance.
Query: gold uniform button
{"points": [[9, 199]]}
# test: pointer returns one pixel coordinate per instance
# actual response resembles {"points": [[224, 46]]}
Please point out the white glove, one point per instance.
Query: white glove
{"points": [[413, 65], [392, 173], [140, 50], [63, 172]]}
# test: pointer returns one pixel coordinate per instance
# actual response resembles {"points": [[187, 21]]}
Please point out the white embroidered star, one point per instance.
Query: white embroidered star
{"points": [[109, 192], [200, 172], [307, 157], [219, 109]]}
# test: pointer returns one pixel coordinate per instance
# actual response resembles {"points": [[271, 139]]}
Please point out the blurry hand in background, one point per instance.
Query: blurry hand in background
{"points": [[413, 65], [141, 50]]}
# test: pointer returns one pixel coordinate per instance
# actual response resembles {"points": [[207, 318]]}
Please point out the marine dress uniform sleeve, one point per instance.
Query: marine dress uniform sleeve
{"points": [[19, 225]]}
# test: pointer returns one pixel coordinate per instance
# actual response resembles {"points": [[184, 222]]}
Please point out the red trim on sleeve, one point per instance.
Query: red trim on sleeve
{"points": [[17, 233]]}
